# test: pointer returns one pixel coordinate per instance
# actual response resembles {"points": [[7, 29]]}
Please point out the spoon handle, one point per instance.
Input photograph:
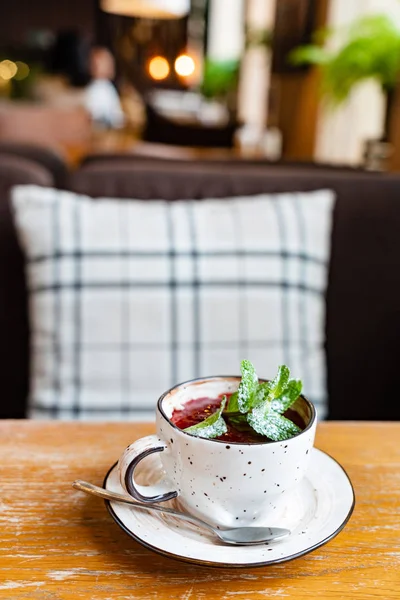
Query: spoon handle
{"points": [[95, 490]]}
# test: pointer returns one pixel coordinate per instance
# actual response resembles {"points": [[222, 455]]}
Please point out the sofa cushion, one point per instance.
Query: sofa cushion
{"points": [[363, 295], [129, 298]]}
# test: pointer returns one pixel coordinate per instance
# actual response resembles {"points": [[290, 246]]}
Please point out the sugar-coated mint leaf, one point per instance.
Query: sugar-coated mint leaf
{"points": [[247, 386], [258, 415], [288, 396], [269, 390], [274, 426], [280, 382], [233, 406], [212, 427], [263, 403], [263, 393]]}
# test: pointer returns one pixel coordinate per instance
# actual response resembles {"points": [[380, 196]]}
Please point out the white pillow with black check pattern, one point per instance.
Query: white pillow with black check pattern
{"points": [[130, 297]]}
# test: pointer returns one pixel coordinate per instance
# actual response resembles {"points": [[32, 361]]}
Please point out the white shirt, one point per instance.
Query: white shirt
{"points": [[102, 102]]}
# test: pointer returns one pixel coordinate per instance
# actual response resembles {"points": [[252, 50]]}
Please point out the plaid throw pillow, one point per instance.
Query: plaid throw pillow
{"points": [[129, 298]]}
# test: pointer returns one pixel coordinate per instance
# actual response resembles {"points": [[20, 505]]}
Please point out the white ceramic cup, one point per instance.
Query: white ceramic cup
{"points": [[226, 484]]}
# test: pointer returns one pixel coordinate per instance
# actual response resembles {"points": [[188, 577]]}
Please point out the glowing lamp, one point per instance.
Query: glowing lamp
{"points": [[184, 65], [158, 68], [8, 69], [147, 9]]}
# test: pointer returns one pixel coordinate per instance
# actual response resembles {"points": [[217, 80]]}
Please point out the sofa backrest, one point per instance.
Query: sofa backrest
{"points": [[363, 297], [49, 158], [158, 153]]}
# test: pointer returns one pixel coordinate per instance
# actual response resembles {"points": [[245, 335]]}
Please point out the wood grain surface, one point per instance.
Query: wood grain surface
{"points": [[58, 544]]}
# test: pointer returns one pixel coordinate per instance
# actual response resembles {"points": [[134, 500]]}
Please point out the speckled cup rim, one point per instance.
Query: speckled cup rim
{"points": [[235, 378]]}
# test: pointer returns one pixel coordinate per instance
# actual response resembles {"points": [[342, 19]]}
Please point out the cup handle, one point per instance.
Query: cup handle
{"points": [[161, 492]]}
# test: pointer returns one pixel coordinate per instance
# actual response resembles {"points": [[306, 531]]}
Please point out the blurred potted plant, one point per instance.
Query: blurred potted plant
{"points": [[371, 50], [220, 78]]}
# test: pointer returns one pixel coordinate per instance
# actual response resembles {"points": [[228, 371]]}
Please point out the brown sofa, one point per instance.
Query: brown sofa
{"points": [[48, 158], [363, 297]]}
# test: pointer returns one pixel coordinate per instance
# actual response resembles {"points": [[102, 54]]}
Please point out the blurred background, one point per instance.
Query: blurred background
{"points": [[203, 99], [295, 80]]}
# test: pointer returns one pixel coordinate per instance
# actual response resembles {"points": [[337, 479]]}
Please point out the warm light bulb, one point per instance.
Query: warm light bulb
{"points": [[147, 9], [184, 65], [7, 69], [158, 68]]}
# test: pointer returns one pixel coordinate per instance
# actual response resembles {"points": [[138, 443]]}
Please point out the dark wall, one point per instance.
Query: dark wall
{"points": [[20, 17]]}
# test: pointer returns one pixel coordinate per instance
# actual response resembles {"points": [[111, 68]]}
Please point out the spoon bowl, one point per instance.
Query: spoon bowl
{"points": [[239, 536]]}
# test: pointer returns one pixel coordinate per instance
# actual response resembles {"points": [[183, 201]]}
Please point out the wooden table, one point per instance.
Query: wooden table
{"points": [[58, 544]]}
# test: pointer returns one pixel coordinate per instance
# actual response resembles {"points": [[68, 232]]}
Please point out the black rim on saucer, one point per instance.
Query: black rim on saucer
{"points": [[206, 563]]}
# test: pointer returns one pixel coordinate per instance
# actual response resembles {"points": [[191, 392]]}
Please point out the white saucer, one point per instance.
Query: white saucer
{"points": [[315, 513]]}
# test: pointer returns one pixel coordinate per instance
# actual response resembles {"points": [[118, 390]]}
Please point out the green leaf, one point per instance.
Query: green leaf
{"points": [[272, 425], [280, 382], [268, 391], [255, 405], [312, 54], [233, 406], [368, 49], [259, 415], [288, 396], [270, 399], [262, 394], [247, 387], [212, 427], [219, 77]]}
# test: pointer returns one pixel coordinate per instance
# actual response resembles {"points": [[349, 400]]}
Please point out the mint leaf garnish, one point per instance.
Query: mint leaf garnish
{"points": [[233, 406], [258, 415], [270, 401], [212, 427], [276, 427], [269, 390], [280, 382], [288, 396], [257, 405], [263, 393], [278, 385], [247, 387]]}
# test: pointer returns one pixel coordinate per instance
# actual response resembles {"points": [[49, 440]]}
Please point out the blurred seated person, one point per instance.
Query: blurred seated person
{"points": [[81, 76], [101, 97]]}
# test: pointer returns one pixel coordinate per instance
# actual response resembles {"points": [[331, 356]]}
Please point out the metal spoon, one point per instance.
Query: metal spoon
{"points": [[240, 536]]}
